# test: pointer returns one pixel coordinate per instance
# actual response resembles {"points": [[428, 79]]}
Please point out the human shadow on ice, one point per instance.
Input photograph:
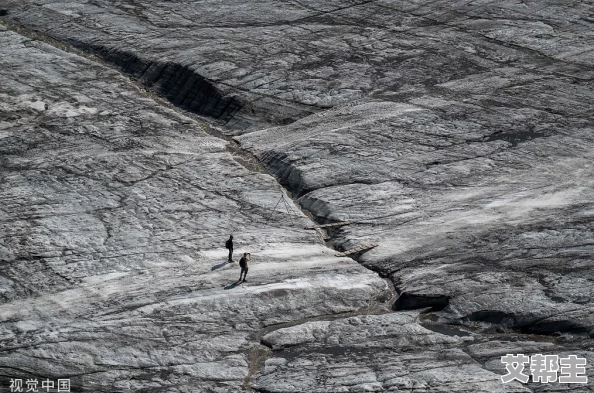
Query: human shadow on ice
{"points": [[219, 266], [231, 286]]}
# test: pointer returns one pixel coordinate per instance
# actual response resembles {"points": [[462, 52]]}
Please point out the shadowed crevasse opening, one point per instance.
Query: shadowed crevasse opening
{"points": [[179, 84], [408, 301], [525, 324], [287, 174]]}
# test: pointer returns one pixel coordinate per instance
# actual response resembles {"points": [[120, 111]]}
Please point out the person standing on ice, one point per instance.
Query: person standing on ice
{"points": [[229, 245], [243, 264]]}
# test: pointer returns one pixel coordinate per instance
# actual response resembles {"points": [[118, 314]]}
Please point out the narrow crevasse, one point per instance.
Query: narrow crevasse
{"points": [[433, 171]]}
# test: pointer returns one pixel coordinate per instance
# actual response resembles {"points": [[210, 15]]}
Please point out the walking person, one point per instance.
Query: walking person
{"points": [[243, 263], [229, 245]]}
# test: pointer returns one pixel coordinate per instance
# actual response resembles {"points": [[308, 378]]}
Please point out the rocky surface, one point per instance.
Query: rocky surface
{"points": [[374, 353], [502, 230], [277, 61], [114, 214], [456, 135]]}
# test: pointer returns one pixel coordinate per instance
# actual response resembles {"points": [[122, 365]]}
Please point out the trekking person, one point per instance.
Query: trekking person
{"points": [[243, 263], [229, 245]]}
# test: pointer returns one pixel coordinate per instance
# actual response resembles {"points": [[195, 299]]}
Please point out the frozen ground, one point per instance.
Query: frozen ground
{"points": [[456, 135], [114, 215]]}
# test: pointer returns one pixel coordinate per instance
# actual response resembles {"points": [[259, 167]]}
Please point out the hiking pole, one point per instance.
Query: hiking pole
{"points": [[287, 207], [270, 215]]}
